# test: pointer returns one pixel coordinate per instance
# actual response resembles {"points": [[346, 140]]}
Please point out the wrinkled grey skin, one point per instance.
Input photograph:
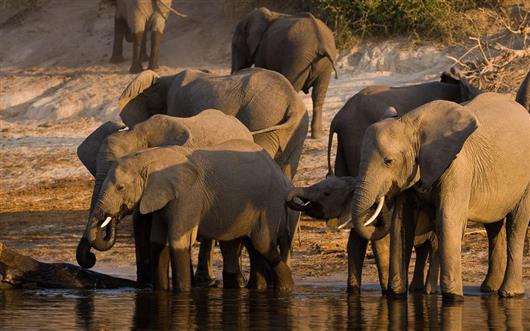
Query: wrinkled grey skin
{"points": [[263, 100], [331, 198], [301, 47], [101, 149], [133, 20], [226, 192], [523, 94], [369, 106], [469, 161]]}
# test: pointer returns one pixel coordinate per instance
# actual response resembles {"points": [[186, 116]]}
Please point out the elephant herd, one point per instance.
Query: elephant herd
{"points": [[209, 157]]}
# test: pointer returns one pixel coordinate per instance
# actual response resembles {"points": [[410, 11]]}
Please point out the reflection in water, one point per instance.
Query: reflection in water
{"points": [[306, 308]]}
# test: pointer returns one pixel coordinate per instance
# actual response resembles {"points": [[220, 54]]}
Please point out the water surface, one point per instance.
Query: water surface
{"points": [[316, 307]]}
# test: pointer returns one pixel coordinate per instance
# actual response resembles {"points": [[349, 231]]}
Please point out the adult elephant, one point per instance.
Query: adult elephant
{"points": [[470, 161], [301, 47], [263, 100], [133, 19], [230, 191], [111, 141], [523, 94], [369, 106]]}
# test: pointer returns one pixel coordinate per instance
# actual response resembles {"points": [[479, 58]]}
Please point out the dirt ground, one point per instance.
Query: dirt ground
{"points": [[56, 87]]}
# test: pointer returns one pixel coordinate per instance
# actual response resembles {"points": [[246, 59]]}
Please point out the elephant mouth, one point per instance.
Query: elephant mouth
{"points": [[299, 203]]}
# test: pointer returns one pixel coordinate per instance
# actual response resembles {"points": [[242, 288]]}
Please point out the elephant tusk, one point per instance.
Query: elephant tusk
{"points": [[300, 202], [377, 211], [343, 225], [107, 221]]}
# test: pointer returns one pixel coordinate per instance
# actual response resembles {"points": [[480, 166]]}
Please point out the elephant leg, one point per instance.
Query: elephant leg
{"points": [[136, 65], [180, 253], [204, 277], [142, 234], [143, 50], [289, 169], [283, 279], [156, 37], [418, 279], [120, 29], [259, 278], [496, 256], [159, 254], [516, 226], [232, 276], [433, 272], [401, 243], [356, 254], [318, 94], [381, 250]]}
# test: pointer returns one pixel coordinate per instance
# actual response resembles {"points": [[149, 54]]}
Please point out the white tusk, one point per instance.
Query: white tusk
{"points": [[377, 211], [300, 202], [340, 227], [107, 221]]}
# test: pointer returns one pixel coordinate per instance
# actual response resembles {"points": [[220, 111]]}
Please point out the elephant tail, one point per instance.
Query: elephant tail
{"points": [[330, 144], [330, 58]]}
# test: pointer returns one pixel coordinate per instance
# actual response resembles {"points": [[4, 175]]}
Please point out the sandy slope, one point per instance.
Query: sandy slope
{"points": [[56, 86]]}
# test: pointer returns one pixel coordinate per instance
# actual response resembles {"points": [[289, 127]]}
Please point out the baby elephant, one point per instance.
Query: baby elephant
{"points": [[231, 191]]}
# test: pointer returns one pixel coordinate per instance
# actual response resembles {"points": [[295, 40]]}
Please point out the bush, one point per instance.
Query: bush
{"points": [[359, 18]]}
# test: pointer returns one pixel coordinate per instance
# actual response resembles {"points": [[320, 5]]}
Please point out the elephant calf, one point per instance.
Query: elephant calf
{"points": [[227, 192], [133, 20]]}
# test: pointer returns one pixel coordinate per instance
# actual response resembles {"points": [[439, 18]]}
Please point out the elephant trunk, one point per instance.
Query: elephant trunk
{"points": [[296, 199], [364, 215]]}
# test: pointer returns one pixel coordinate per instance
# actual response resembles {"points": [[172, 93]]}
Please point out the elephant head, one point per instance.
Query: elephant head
{"points": [[327, 199], [399, 153], [146, 180], [453, 76], [248, 35]]}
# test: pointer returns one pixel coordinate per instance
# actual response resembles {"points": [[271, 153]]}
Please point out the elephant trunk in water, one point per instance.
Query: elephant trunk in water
{"points": [[364, 215], [296, 200]]}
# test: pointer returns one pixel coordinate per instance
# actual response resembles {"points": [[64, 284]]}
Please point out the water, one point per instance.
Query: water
{"points": [[315, 307]]}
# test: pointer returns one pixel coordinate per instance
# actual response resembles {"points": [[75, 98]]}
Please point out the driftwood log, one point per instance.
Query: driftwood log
{"points": [[21, 271]]}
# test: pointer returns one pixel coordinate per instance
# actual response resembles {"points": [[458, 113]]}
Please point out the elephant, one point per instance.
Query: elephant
{"points": [[469, 161], [301, 47], [225, 192], [523, 94], [101, 149], [133, 19], [370, 105], [331, 198], [263, 100]]}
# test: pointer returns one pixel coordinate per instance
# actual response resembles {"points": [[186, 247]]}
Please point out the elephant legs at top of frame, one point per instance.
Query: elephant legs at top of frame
{"points": [[381, 249], [356, 253], [136, 65], [156, 38], [120, 29], [401, 243], [496, 256], [318, 94], [142, 234], [516, 227], [204, 276], [260, 277], [231, 251]]}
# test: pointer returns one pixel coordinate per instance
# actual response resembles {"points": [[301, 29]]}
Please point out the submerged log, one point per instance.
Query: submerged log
{"points": [[21, 271]]}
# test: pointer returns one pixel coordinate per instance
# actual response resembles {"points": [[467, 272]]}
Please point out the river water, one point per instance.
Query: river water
{"points": [[313, 307]]}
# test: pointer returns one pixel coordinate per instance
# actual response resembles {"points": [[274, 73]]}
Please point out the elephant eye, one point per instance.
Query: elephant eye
{"points": [[388, 161], [120, 187]]}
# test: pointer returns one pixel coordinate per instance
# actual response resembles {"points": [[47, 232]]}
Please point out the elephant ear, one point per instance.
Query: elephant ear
{"points": [[444, 127], [453, 76], [257, 23], [164, 185], [523, 94], [133, 103], [87, 151]]}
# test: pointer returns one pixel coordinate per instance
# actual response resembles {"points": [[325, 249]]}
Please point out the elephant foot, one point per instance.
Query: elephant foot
{"points": [[451, 298], [353, 289], [136, 68], [204, 281], [396, 295], [416, 288], [511, 292], [232, 280], [283, 278], [154, 67], [117, 59], [485, 288]]}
